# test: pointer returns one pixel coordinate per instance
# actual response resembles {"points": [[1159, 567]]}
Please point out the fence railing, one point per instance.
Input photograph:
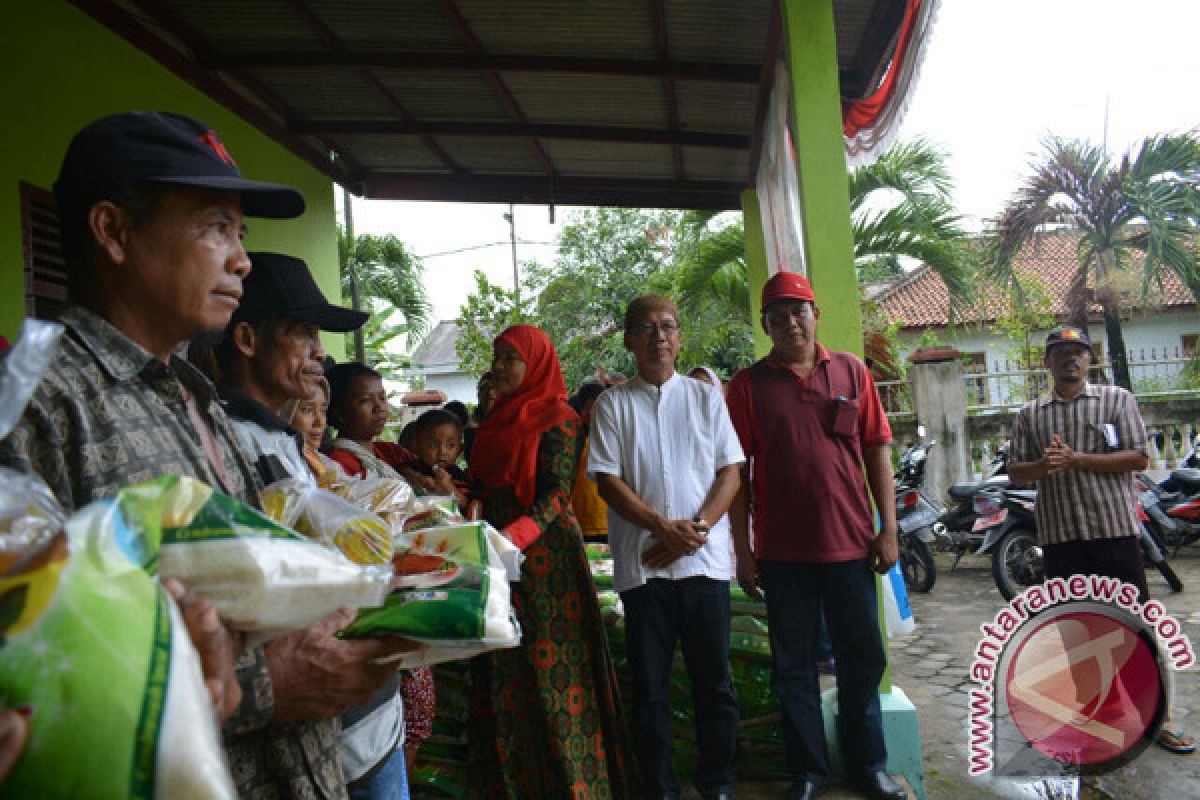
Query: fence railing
{"points": [[1008, 385]]}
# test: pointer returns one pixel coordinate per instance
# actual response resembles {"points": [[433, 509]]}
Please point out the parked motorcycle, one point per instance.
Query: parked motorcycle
{"points": [[1172, 508], [916, 515], [1009, 528], [955, 530]]}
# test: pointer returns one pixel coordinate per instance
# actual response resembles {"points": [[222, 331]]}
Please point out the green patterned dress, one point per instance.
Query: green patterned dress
{"points": [[546, 722]]}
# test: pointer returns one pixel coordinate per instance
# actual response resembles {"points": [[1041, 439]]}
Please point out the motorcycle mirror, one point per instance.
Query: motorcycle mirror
{"points": [[921, 431]]}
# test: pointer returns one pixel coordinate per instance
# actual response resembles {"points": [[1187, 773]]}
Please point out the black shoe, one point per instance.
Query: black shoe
{"points": [[807, 789], [880, 786]]}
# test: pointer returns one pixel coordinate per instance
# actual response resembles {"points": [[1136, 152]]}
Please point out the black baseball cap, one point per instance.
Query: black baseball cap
{"points": [[159, 147], [1068, 335], [282, 286]]}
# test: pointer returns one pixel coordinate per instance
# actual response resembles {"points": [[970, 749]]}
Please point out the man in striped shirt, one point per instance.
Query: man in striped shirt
{"points": [[1081, 444]]}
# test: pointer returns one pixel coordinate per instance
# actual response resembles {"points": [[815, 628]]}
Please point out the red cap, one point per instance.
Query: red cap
{"points": [[787, 286]]}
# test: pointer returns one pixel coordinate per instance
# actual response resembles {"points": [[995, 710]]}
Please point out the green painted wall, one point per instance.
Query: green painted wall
{"points": [[821, 163], [756, 267], [63, 70]]}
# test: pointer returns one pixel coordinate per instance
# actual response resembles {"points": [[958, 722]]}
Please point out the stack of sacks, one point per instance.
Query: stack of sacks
{"points": [[760, 733]]}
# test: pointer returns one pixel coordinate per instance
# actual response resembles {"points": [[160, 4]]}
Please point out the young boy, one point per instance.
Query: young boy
{"points": [[436, 442]]}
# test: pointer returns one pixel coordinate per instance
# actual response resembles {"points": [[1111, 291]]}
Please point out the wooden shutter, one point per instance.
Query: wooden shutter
{"points": [[45, 267]]}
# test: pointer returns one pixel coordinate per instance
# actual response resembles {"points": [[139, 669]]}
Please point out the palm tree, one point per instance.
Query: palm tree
{"points": [[900, 208], [381, 268], [1145, 203]]}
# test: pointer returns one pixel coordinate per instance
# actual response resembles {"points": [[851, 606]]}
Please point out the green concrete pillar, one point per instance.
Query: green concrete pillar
{"points": [[756, 267], [821, 167]]}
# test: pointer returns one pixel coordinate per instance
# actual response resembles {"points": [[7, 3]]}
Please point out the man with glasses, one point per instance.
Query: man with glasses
{"points": [[809, 420], [666, 460]]}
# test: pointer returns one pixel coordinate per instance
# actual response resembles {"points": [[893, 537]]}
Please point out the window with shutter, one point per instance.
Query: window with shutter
{"points": [[45, 267]]}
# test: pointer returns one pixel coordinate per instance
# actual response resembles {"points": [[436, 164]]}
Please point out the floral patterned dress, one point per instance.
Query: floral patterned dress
{"points": [[546, 722]]}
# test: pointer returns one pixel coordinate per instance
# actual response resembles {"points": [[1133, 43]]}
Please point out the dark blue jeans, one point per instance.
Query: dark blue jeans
{"points": [[696, 612], [796, 596], [388, 782]]}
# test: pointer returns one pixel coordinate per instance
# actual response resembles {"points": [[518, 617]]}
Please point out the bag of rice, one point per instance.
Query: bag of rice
{"points": [[98, 648], [262, 577]]}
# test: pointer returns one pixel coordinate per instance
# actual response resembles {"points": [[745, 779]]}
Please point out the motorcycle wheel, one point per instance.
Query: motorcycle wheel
{"points": [[917, 564], [1017, 563]]}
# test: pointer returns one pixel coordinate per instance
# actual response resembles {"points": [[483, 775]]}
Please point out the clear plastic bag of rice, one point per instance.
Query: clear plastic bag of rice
{"points": [[263, 578]]}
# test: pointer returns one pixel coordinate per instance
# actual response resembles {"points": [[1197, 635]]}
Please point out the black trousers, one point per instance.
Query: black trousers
{"points": [[1113, 558], [845, 591], [694, 611]]}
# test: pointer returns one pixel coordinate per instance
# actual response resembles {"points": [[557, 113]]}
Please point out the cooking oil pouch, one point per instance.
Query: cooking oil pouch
{"points": [[331, 519]]}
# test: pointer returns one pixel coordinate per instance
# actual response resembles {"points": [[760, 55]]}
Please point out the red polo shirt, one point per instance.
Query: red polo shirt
{"points": [[805, 439]]}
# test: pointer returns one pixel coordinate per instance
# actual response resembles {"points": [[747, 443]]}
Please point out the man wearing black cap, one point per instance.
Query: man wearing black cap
{"points": [[270, 353], [152, 208], [1081, 444]]}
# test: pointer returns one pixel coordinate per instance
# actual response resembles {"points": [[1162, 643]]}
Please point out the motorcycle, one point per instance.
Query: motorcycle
{"points": [[1172, 508], [1009, 528], [955, 530], [916, 515]]}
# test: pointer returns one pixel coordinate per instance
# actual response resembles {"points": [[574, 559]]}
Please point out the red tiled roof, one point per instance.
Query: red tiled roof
{"points": [[920, 299]]}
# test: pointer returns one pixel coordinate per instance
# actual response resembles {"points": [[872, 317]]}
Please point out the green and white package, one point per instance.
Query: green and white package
{"points": [[97, 647]]}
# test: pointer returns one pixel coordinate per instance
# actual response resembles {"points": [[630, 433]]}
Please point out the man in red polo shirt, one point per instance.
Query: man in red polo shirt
{"points": [[809, 421]]}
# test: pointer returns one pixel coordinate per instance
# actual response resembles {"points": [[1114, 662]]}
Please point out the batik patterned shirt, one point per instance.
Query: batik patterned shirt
{"points": [[108, 414]]}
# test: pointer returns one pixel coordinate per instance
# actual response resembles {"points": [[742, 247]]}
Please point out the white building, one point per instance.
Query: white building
{"points": [[435, 361], [1159, 337]]}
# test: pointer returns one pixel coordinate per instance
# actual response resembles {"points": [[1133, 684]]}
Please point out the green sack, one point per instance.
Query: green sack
{"points": [[97, 647]]}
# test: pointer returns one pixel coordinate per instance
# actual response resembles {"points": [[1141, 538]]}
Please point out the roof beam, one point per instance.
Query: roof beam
{"points": [[331, 39], [536, 189], [192, 40], [587, 133], [471, 62], [497, 83], [659, 11], [122, 23]]}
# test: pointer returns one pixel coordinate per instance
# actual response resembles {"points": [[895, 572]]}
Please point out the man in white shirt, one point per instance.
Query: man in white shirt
{"points": [[666, 459]]}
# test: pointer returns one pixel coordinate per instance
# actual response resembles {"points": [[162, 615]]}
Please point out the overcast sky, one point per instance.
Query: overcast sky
{"points": [[996, 78]]}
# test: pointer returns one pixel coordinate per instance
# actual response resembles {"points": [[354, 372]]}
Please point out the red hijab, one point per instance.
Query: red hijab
{"points": [[506, 444]]}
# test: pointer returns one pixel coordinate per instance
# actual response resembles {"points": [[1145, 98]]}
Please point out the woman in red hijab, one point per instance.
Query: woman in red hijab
{"points": [[546, 722]]}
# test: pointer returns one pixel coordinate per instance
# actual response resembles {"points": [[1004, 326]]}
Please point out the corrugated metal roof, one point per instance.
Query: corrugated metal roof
{"points": [[535, 100]]}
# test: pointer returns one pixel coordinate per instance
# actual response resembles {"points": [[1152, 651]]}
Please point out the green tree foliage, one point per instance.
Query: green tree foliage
{"points": [[606, 258], [712, 286], [609, 256], [900, 208], [1142, 204], [389, 282], [489, 309]]}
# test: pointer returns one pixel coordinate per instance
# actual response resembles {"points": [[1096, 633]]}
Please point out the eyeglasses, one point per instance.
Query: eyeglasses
{"points": [[646, 329]]}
